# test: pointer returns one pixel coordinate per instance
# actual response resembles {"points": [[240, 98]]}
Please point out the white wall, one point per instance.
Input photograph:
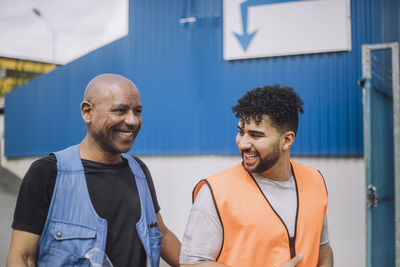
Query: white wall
{"points": [[175, 177]]}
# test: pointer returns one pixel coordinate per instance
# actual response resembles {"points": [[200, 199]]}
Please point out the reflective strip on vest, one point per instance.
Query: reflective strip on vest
{"points": [[253, 234]]}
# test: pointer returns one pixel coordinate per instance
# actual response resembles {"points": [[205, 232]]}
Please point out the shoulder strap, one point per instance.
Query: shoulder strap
{"points": [[135, 167], [69, 159]]}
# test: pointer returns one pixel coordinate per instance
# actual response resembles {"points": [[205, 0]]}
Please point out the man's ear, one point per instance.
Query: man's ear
{"points": [[288, 140], [86, 111]]}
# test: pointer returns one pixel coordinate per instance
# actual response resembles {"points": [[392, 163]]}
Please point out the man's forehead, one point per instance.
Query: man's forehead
{"points": [[252, 124], [106, 85], [254, 120], [117, 93], [125, 104], [122, 102], [247, 123]]}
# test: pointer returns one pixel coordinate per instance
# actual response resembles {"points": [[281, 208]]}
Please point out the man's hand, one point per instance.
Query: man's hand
{"points": [[294, 261]]}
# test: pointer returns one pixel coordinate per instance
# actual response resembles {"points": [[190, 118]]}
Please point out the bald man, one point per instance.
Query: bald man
{"points": [[93, 198]]}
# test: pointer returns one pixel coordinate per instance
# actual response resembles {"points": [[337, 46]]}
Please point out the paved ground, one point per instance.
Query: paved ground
{"points": [[9, 186]]}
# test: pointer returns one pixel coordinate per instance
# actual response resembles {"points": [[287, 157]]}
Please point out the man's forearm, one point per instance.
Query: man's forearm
{"points": [[290, 263], [325, 258], [170, 245], [20, 261], [205, 264], [170, 248], [23, 249]]}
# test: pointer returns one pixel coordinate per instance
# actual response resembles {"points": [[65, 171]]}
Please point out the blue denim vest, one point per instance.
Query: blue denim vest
{"points": [[73, 227]]}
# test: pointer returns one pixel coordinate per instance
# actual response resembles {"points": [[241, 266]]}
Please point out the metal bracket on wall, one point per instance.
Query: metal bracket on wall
{"points": [[372, 196], [191, 16], [187, 20], [373, 199]]}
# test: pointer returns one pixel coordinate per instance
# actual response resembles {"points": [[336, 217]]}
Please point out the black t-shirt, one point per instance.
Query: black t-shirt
{"points": [[114, 196]]}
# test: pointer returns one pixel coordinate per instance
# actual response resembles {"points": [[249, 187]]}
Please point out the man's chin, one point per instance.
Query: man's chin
{"points": [[124, 148], [248, 168]]}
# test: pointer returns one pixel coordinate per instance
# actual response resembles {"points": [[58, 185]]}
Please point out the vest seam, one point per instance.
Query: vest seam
{"points": [[277, 214], [323, 179], [297, 210], [194, 189], [47, 222], [73, 223], [220, 219]]}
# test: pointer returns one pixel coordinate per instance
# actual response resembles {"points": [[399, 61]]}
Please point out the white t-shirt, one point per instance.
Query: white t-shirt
{"points": [[203, 235]]}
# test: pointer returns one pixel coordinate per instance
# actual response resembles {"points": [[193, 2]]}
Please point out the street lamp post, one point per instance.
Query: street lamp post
{"points": [[51, 28]]}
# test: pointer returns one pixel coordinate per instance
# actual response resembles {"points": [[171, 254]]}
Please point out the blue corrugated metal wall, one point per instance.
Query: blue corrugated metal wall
{"points": [[188, 89], [44, 115]]}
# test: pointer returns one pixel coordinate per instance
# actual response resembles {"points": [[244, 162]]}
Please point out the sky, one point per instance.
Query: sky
{"points": [[81, 26]]}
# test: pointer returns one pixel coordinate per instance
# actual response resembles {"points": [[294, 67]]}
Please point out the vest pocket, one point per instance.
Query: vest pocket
{"points": [[155, 247], [71, 239], [155, 240]]}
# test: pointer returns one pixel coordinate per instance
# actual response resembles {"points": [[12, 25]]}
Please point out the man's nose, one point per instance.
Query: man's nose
{"points": [[243, 142], [131, 118]]}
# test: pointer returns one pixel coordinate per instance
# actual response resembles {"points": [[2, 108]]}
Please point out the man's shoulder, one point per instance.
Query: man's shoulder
{"points": [[45, 162], [141, 164], [304, 168], [42, 171], [234, 170]]}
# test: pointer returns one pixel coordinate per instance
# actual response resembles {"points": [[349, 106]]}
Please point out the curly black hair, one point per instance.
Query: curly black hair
{"points": [[280, 103]]}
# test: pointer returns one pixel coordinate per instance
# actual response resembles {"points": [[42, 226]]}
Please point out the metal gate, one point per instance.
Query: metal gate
{"points": [[381, 108]]}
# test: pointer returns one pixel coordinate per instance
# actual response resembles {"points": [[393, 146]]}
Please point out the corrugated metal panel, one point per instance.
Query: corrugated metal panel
{"points": [[188, 89], [187, 59]]}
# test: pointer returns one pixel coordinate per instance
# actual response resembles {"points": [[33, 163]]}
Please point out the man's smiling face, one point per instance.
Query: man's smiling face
{"points": [[116, 118], [259, 144]]}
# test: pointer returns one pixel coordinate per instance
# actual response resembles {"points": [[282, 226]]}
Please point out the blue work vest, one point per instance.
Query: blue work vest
{"points": [[73, 227]]}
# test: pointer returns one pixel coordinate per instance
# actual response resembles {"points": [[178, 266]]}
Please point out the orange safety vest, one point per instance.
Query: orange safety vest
{"points": [[253, 233]]}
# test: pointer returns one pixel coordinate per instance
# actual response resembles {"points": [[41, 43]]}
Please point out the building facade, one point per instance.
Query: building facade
{"points": [[174, 52]]}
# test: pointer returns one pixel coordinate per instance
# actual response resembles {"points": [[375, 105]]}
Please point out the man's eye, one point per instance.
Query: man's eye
{"points": [[241, 132], [137, 112], [120, 110]]}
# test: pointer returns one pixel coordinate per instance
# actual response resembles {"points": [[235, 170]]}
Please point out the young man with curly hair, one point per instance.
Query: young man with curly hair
{"points": [[267, 210]]}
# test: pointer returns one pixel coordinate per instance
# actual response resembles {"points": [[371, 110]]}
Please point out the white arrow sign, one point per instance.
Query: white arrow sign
{"points": [[265, 28]]}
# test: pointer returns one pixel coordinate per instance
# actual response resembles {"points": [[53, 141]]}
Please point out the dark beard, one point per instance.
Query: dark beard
{"points": [[267, 162]]}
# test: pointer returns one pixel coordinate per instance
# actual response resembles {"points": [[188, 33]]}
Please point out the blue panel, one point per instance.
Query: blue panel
{"points": [[380, 163], [188, 89], [187, 60]]}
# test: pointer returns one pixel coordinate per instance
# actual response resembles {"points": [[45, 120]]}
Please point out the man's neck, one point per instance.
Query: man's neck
{"points": [[281, 171], [90, 150]]}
